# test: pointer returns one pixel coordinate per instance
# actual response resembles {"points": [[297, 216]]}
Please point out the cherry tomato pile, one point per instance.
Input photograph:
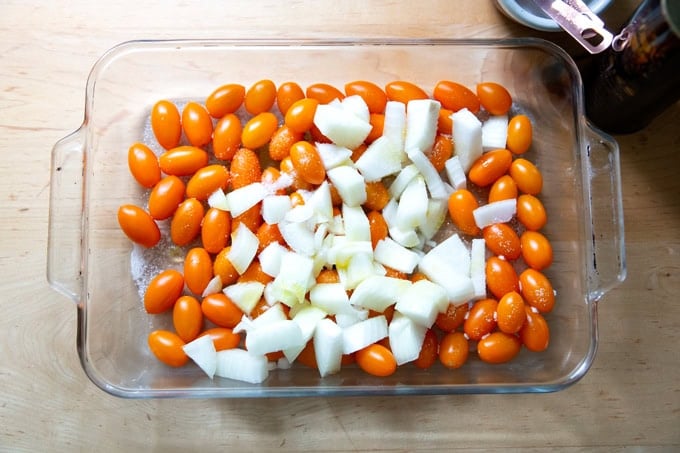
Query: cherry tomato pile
{"points": [[240, 135]]}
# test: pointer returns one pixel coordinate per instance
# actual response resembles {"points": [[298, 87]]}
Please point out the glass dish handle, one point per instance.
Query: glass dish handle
{"points": [[64, 244], [607, 268]]}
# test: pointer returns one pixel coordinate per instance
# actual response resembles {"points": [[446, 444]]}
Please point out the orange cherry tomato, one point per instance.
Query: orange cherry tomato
{"points": [[260, 97], [535, 333], [454, 96], [403, 91], [323, 92], [428, 351], [377, 121], [197, 124], [227, 136], [225, 99], [328, 276], [252, 219], [444, 121], [282, 140], [223, 338], [452, 318], [268, 234], [163, 290], [287, 94], [378, 227], [510, 313], [481, 319], [186, 223], [187, 318], [461, 204], [537, 290], [143, 165], [167, 347], [377, 360], [166, 124], [374, 96], [198, 270], [296, 199], [501, 277], [215, 230], [536, 250], [223, 268], [377, 196], [300, 116], [183, 160], [165, 197], [531, 212], [269, 176], [254, 273], [498, 347], [220, 310], [505, 188], [490, 166], [206, 181], [308, 356], [494, 98], [307, 162], [138, 225], [441, 151], [245, 168], [527, 176], [519, 134], [502, 240], [259, 130], [453, 350]]}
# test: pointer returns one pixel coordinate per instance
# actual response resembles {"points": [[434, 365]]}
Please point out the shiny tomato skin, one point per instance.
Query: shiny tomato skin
{"points": [[519, 134], [535, 334], [138, 225], [166, 124], [502, 240], [452, 318], [461, 205], [183, 160], [323, 93], [403, 91], [307, 162], [494, 97], [498, 347], [377, 360], [281, 142], [537, 290], [481, 319], [197, 124], [187, 318], [167, 347], [536, 250], [143, 165], [215, 230], [453, 350], [510, 313], [220, 310], [527, 176], [260, 97], [223, 338], [300, 116], [505, 188], [429, 351], [490, 166], [163, 290], [225, 99], [206, 181], [374, 96], [454, 96], [442, 150], [259, 130], [165, 197], [186, 222], [501, 277], [245, 168], [287, 94], [198, 270], [531, 212], [227, 136]]}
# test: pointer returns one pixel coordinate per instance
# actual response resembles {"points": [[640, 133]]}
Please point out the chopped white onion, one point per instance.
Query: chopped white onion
{"points": [[393, 255], [356, 223], [495, 132], [202, 352], [331, 298], [328, 347], [405, 176], [422, 301], [378, 292], [394, 126], [333, 155], [275, 207], [341, 126], [214, 286], [218, 200], [349, 184], [270, 258], [382, 158], [364, 333], [275, 336], [244, 244], [244, 294], [467, 137], [244, 198], [356, 105], [455, 173], [293, 280], [412, 208], [242, 365], [298, 236], [434, 182], [422, 116], [406, 338], [434, 219], [477, 267], [495, 212]]}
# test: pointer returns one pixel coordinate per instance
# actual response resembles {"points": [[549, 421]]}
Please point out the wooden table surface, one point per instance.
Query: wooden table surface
{"points": [[629, 398]]}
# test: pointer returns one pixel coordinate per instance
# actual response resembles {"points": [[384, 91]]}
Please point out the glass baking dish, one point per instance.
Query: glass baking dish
{"points": [[89, 259]]}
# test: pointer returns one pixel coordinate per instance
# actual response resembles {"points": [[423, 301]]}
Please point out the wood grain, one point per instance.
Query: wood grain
{"points": [[630, 399]]}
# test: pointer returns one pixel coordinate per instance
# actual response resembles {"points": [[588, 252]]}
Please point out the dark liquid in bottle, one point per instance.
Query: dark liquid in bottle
{"points": [[627, 89]]}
